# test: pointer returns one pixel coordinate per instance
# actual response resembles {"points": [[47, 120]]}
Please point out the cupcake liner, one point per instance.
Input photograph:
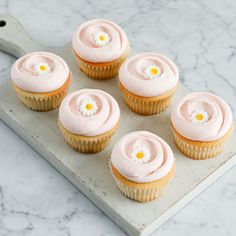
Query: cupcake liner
{"points": [[146, 105], [200, 150], [101, 71], [141, 192], [42, 101], [87, 144]]}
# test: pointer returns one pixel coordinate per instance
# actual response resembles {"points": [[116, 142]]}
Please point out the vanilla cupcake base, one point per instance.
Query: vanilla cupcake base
{"points": [[103, 70], [87, 144], [200, 150], [141, 192], [42, 101], [146, 105]]}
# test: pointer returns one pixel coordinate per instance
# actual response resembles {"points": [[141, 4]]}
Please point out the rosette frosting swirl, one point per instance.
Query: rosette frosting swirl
{"points": [[87, 47], [202, 117], [148, 74], [40, 72], [158, 164], [102, 114]]}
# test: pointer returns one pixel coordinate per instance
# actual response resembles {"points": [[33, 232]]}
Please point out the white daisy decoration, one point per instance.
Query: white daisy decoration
{"points": [[140, 154], [88, 107], [152, 72], [199, 117], [42, 68], [101, 39]]}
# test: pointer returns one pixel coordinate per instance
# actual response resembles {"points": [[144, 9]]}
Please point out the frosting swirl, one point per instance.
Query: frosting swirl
{"points": [[202, 117], [40, 72], [159, 157], [148, 74], [102, 114], [87, 45]]}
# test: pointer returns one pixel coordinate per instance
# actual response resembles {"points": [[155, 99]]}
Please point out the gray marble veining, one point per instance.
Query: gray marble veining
{"points": [[198, 35]]}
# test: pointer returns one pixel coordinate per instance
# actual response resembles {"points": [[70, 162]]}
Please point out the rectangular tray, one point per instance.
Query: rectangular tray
{"points": [[90, 173]]}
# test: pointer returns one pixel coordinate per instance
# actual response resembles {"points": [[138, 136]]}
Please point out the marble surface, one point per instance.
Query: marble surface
{"points": [[198, 35]]}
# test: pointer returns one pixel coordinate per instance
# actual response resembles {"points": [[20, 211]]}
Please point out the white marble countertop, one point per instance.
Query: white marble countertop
{"points": [[200, 36]]}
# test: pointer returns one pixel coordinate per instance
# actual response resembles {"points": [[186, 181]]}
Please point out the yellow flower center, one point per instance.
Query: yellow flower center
{"points": [[140, 155], [199, 116], [42, 67], [89, 106], [154, 71], [101, 37]]}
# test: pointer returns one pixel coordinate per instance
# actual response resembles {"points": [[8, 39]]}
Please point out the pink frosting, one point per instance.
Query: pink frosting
{"points": [[132, 75], [219, 121], [106, 117], [24, 76], [83, 43], [160, 163]]}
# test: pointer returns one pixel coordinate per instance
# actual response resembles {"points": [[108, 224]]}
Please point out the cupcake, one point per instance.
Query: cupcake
{"points": [[147, 82], [100, 47], [41, 80], [142, 164], [88, 118], [201, 124]]}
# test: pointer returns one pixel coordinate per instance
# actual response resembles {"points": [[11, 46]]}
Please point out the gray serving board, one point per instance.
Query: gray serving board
{"points": [[90, 173]]}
